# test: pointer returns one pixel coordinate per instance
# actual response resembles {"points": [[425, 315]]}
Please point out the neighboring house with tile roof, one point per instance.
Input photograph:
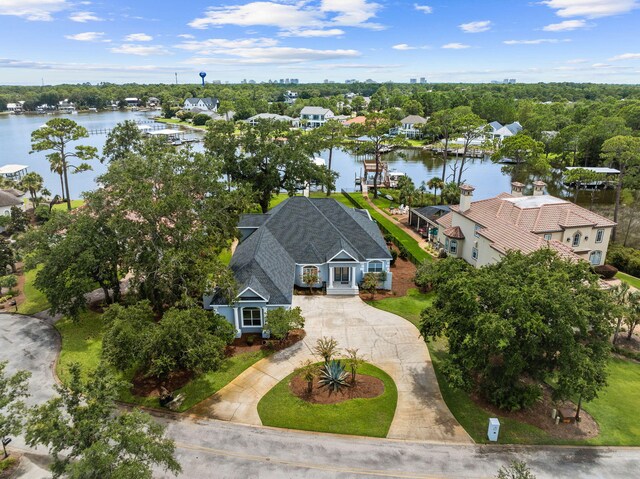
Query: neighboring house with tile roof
{"points": [[315, 116], [482, 232], [298, 236]]}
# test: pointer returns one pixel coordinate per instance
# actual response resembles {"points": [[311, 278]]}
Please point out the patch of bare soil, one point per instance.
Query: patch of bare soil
{"points": [[365, 387], [539, 415], [403, 273], [153, 387], [246, 345]]}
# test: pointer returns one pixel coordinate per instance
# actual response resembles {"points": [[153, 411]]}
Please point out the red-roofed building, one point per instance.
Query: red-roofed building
{"points": [[481, 232]]}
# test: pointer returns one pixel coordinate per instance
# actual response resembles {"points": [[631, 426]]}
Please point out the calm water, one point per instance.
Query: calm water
{"points": [[487, 177]]}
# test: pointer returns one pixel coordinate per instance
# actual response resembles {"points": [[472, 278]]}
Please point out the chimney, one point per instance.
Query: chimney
{"points": [[466, 193], [516, 188], [538, 188]]}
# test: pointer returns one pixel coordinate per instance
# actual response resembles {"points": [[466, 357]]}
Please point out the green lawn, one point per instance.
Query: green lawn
{"points": [[35, 301], [63, 206], [614, 410], [362, 417], [401, 235], [632, 280], [82, 343], [176, 121], [409, 306]]}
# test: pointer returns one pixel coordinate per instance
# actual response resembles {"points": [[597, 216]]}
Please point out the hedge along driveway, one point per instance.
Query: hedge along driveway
{"points": [[402, 237]]}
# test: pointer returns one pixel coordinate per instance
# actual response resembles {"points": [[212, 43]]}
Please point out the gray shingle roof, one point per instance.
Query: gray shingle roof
{"points": [[314, 110], [300, 231], [413, 119], [9, 199]]}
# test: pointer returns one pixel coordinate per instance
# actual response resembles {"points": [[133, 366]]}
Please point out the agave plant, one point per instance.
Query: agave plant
{"points": [[332, 375]]}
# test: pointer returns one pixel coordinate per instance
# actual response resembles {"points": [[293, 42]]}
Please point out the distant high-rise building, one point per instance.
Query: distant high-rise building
{"points": [[295, 81], [413, 80], [423, 80], [350, 81]]}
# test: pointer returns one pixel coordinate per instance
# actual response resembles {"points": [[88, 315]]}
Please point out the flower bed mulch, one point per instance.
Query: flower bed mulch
{"points": [[240, 346], [539, 415], [404, 271], [365, 387]]}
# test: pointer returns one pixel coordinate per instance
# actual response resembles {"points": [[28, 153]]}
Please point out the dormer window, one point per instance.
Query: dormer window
{"points": [[576, 240]]}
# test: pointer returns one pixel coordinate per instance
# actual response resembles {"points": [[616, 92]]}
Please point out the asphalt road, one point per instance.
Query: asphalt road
{"points": [[208, 448]]}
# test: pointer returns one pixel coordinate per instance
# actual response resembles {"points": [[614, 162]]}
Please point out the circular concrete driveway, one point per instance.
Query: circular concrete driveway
{"points": [[30, 344], [386, 340]]}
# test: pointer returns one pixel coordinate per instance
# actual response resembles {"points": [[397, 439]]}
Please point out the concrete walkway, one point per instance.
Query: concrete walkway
{"points": [[386, 340]]}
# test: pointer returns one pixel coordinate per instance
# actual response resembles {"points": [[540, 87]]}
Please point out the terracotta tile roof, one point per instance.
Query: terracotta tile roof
{"points": [[514, 223], [454, 232], [445, 220]]}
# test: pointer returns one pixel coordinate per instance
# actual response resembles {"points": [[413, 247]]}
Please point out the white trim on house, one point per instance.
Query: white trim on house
{"points": [[338, 254], [253, 291]]}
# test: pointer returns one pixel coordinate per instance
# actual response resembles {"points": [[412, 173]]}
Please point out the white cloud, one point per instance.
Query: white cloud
{"points": [[625, 56], [259, 13], [28, 64], [403, 46], [426, 9], [331, 32], [140, 50], [476, 27], [455, 46], [351, 13], [567, 25], [590, 8], [257, 51], [86, 36], [138, 37], [289, 16], [537, 41], [35, 10], [219, 45], [186, 36], [576, 61], [83, 17]]}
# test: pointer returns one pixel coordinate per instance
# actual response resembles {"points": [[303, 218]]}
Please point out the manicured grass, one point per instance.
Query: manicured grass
{"points": [[402, 236], [362, 417], [63, 206], [613, 410], [5, 464], [176, 121], [276, 200], [616, 408], [35, 300], [409, 306], [82, 344], [632, 280]]}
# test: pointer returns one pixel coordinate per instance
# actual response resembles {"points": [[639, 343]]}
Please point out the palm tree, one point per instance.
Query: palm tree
{"points": [[56, 166], [436, 184], [32, 182]]}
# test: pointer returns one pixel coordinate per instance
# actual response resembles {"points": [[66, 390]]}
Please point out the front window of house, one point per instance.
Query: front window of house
{"points": [[251, 317], [375, 267], [474, 253], [446, 244], [576, 240], [475, 231], [547, 236], [595, 258], [309, 272], [453, 246], [599, 236]]}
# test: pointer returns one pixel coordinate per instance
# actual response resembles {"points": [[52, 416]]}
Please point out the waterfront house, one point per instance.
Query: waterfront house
{"points": [[315, 116], [10, 198], [66, 106], [424, 220], [15, 107], [204, 104], [294, 122], [410, 126], [132, 101], [153, 102], [299, 236], [13, 172], [481, 232]]}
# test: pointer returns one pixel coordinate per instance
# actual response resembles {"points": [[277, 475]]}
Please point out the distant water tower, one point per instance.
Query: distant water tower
{"points": [[202, 75]]}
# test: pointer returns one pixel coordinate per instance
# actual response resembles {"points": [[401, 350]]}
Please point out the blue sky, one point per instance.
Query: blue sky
{"points": [[147, 41]]}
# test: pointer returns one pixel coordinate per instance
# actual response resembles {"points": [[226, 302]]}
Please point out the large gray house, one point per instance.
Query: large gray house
{"points": [[298, 236]]}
